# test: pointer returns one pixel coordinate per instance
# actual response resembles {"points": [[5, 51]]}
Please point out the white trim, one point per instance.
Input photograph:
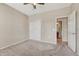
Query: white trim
{"points": [[13, 44], [61, 16], [44, 41], [77, 53], [56, 26], [26, 40]]}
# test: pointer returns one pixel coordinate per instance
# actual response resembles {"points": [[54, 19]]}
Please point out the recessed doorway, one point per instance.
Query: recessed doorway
{"points": [[62, 30], [59, 32]]}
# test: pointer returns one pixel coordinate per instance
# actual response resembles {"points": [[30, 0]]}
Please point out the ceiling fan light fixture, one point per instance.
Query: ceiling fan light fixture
{"points": [[34, 4]]}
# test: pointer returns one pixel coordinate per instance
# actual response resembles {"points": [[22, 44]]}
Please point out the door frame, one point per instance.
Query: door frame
{"points": [[56, 25]]}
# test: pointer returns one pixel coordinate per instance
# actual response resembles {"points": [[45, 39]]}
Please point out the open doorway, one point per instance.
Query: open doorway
{"points": [[62, 30], [59, 32]]}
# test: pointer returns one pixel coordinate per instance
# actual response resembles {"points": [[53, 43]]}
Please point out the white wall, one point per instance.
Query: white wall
{"points": [[48, 23], [35, 30], [65, 29], [49, 30], [13, 26]]}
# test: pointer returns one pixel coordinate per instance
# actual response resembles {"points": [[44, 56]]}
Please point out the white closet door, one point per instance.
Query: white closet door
{"points": [[35, 30], [72, 31]]}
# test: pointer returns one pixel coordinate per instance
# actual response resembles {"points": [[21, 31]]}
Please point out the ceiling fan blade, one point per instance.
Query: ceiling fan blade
{"points": [[26, 3], [34, 6], [41, 3]]}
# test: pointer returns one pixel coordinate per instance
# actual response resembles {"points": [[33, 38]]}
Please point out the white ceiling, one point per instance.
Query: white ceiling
{"points": [[28, 9]]}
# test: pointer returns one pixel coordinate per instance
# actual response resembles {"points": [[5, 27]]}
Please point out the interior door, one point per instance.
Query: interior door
{"points": [[72, 31]]}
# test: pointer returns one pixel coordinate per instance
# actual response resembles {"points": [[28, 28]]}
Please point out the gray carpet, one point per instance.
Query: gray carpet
{"points": [[35, 48]]}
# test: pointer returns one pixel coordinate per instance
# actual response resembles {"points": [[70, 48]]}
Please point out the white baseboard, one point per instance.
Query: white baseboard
{"points": [[65, 41], [13, 44], [77, 54], [44, 41], [25, 40]]}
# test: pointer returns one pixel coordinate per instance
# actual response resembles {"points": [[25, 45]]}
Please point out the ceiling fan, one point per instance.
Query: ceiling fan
{"points": [[34, 4]]}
